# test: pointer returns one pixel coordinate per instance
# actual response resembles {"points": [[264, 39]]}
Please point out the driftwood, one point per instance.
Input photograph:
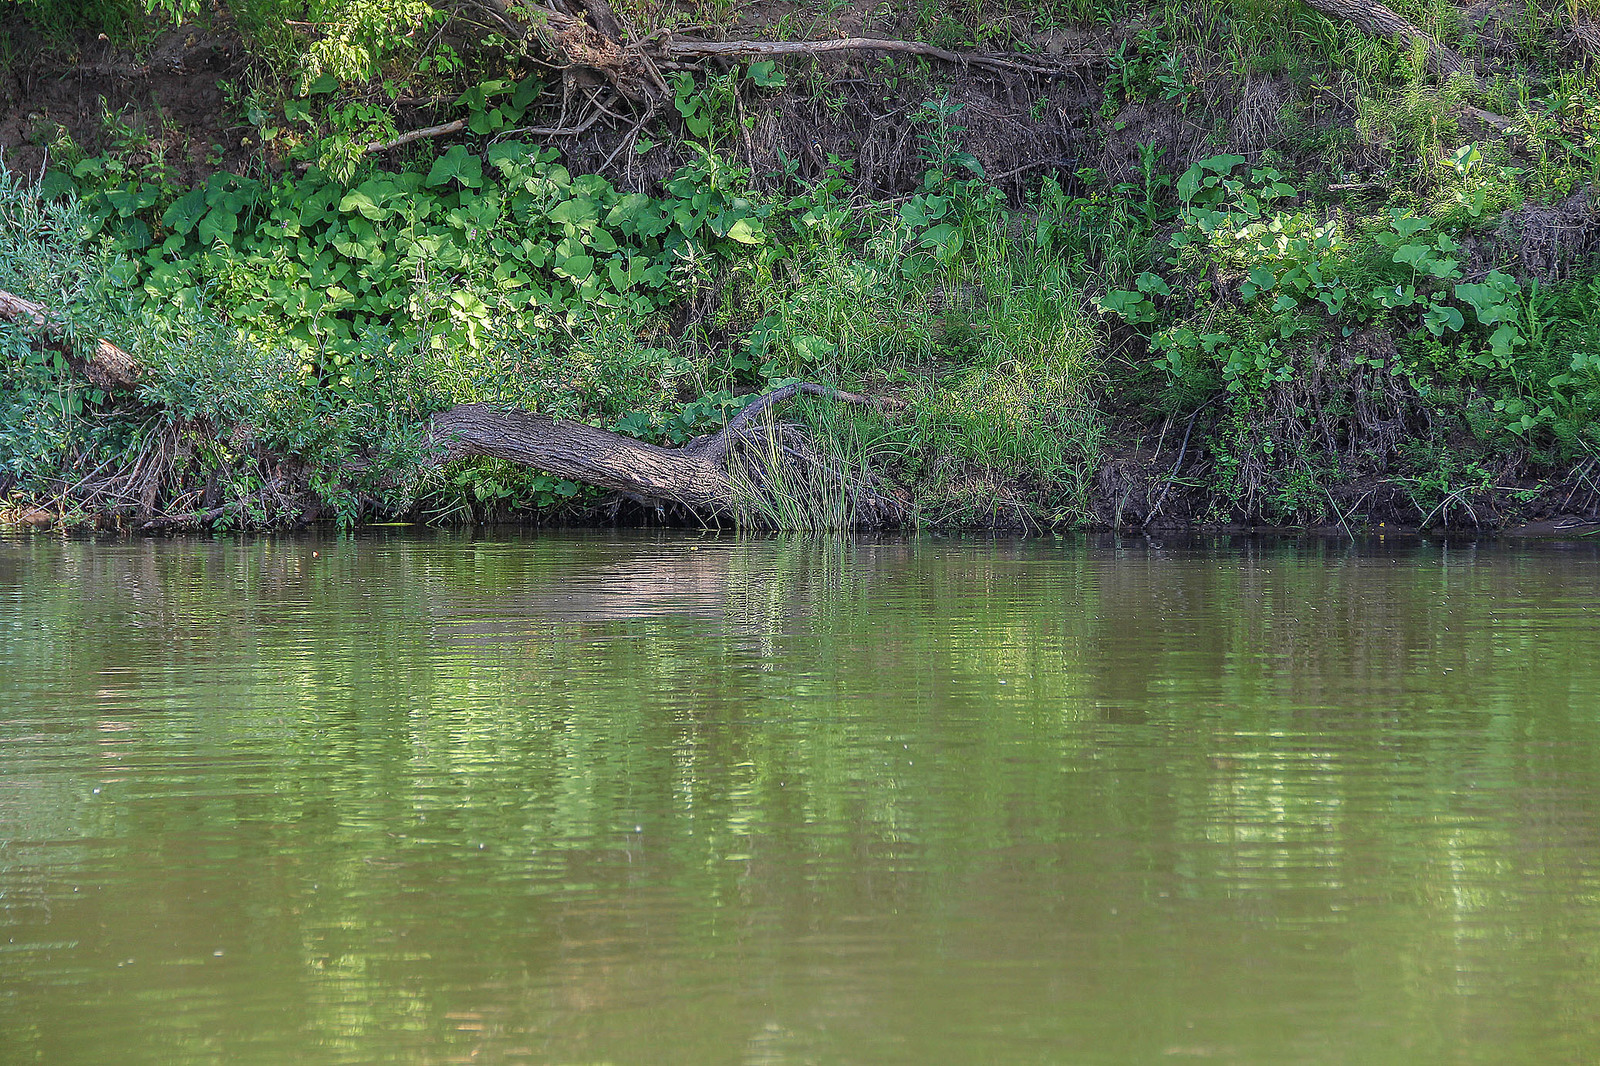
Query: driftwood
{"points": [[701, 475], [107, 366]]}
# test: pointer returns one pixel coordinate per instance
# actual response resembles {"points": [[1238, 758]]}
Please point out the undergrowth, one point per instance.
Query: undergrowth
{"points": [[1294, 277]]}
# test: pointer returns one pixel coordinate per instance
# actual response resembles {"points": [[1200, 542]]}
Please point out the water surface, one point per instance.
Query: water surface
{"points": [[587, 799]]}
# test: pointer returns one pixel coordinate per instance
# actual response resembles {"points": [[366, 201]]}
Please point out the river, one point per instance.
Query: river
{"points": [[598, 798]]}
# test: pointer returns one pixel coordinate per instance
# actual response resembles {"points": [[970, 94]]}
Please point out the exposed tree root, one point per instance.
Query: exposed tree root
{"points": [[633, 68]]}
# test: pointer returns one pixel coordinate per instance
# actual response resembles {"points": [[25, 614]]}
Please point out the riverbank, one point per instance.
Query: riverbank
{"points": [[1129, 266]]}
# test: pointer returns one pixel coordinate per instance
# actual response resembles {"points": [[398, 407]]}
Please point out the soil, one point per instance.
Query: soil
{"points": [[172, 101]]}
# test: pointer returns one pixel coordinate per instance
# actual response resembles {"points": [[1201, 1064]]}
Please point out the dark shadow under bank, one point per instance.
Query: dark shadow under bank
{"points": [[1247, 540], [1526, 524]]}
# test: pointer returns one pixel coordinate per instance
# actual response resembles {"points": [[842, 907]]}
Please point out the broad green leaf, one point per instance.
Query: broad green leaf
{"points": [[1222, 164], [363, 200], [1409, 225], [745, 233], [576, 267], [508, 154], [941, 235], [185, 211], [219, 224], [1485, 300], [457, 164], [578, 211], [1189, 183], [1442, 318], [132, 198], [810, 348], [1412, 255], [1504, 339], [55, 183], [1151, 283], [765, 73]]}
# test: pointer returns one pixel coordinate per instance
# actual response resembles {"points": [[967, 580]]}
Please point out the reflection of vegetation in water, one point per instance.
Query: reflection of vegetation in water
{"points": [[559, 764]]}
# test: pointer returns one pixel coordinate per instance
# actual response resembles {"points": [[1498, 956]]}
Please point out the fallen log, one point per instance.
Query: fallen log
{"points": [[1380, 21], [107, 366], [706, 476], [720, 475]]}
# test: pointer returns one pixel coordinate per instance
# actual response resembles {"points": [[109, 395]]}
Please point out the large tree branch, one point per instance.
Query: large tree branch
{"points": [[717, 447], [577, 451], [696, 475]]}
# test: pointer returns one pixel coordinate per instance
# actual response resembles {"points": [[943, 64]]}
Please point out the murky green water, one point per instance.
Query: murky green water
{"points": [[588, 799]]}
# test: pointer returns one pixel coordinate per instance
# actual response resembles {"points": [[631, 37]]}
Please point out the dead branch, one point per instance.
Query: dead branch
{"points": [[717, 446], [409, 136], [107, 366], [199, 518]]}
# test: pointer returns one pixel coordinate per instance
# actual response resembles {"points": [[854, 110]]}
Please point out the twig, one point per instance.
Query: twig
{"points": [[991, 179], [594, 99], [633, 135], [1014, 171], [1337, 513], [1489, 118], [559, 131], [190, 519]]}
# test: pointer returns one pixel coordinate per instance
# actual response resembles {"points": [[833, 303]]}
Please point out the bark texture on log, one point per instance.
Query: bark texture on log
{"points": [[580, 452], [700, 475]]}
